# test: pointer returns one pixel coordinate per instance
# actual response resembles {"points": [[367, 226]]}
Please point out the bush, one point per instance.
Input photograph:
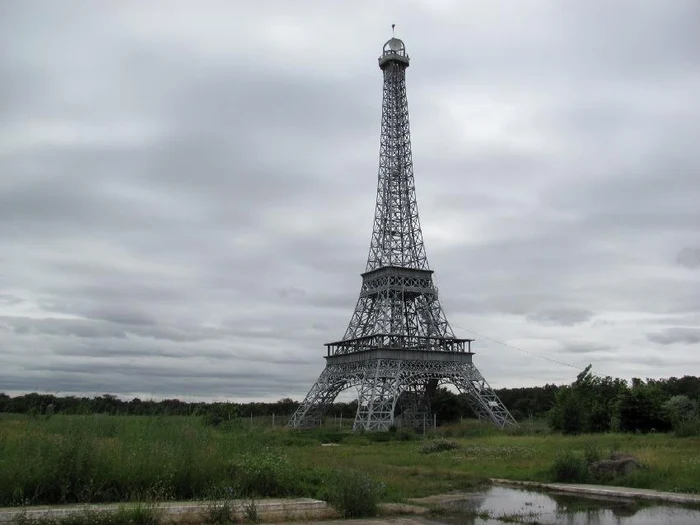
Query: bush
{"points": [[684, 414], [354, 494], [570, 468], [264, 475], [687, 428], [406, 434], [592, 454], [329, 436], [438, 445]]}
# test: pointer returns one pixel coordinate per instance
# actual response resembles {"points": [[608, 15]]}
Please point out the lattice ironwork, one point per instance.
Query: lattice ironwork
{"points": [[398, 344]]}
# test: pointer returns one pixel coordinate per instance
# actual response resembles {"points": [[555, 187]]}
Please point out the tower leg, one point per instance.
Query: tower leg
{"points": [[481, 397], [310, 413], [377, 395]]}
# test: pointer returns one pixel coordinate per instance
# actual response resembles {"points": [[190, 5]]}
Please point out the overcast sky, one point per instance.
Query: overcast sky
{"points": [[187, 188]]}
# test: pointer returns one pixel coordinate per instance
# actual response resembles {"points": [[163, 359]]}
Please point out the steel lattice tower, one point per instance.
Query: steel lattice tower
{"points": [[398, 346]]}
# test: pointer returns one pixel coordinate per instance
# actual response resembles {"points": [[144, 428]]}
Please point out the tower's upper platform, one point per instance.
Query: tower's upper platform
{"points": [[393, 50]]}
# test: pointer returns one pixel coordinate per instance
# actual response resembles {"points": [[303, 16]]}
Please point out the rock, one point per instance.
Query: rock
{"points": [[614, 467]]}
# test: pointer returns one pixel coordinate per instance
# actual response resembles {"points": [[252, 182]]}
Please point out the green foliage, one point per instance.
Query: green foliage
{"points": [[328, 436], [681, 408], [603, 404], [74, 459], [354, 494], [266, 474], [569, 467], [127, 458], [641, 409], [438, 445], [406, 434], [684, 414], [587, 405], [688, 428], [592, 454], [468, 428], [524, 403]]}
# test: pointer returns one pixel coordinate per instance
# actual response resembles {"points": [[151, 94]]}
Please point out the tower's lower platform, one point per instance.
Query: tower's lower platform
{"points": [[382, 375]]}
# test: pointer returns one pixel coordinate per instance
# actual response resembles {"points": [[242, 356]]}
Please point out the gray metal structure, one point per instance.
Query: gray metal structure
{"points": [[398, 346]]}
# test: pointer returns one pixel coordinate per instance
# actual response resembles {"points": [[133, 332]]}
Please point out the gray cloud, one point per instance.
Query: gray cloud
{"points": [[564, 316], [185, 207], [582, 347], [669, 336], [689, 257]]}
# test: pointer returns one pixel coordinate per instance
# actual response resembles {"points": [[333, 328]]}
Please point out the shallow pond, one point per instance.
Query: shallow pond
{"points": [[498, 505]]}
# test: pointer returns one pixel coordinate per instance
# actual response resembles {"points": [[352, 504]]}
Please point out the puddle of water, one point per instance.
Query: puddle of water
{"points": [[496, 505]]}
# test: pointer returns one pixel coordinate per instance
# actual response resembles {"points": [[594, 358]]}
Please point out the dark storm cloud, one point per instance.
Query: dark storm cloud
{"points": [[186, 199]]}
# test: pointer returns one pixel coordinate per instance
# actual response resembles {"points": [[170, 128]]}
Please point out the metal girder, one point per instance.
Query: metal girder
{"points": [[398, 342]]}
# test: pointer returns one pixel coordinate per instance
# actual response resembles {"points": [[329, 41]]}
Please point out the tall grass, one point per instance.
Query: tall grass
{"points": [[80, 459], [100, 459]]}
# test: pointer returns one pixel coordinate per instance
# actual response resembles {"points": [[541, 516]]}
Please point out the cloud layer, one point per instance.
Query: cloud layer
{"points": [[187, 192]]}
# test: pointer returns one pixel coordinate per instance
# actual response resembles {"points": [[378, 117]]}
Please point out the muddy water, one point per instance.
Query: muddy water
{"points": [[498, 505]]}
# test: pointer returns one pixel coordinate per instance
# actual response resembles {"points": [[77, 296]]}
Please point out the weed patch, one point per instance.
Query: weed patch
{"points": [[354, 494], [570, 468], [438, 445]]}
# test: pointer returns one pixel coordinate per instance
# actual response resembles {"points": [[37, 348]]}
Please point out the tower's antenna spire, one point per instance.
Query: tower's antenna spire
{"points": [[392, 29]]}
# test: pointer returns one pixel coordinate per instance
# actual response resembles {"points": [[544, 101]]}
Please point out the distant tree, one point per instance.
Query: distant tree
{"points": [[642, 409], [587, 405], [4, 402], [446, 406], [681, 408]]}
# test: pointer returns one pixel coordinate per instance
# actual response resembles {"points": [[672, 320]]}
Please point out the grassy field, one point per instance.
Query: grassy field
{"points": [[64, 459]]}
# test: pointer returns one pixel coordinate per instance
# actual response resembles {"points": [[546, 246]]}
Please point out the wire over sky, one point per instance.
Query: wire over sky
{"points": [[517, 348]]}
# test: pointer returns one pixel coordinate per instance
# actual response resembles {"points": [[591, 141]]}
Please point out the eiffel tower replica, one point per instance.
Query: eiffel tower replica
{"points": [[398, 347]]}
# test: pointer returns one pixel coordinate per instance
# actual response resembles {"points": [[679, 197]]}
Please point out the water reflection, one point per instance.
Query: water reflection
{"points": [[496, 505]]}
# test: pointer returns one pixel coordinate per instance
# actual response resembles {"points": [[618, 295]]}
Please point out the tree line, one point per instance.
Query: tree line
{"points": [[590, 404]]}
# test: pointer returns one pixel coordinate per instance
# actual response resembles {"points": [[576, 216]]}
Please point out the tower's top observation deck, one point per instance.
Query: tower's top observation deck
{"points": [[393, 50]]}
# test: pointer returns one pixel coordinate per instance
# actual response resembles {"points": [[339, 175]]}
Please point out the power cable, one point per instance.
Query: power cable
{"points": [[518, 349]]}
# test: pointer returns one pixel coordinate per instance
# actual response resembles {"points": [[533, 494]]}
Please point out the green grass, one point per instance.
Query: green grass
{"points": [[67, 459]]}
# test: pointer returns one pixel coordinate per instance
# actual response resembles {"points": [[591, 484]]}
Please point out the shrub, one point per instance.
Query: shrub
{"points": [[687, 428], [329, 436], [684, 414], [592, 454], [264, 475], [570, 468], [354, 494], [406, 434], [379, 437], [438, 445]]}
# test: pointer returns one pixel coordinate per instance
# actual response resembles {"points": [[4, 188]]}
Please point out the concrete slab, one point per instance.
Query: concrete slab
{"points": [[189, 511]]}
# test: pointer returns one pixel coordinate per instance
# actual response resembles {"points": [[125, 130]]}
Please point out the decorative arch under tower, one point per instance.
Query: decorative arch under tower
{"points": [[398, 347]]}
